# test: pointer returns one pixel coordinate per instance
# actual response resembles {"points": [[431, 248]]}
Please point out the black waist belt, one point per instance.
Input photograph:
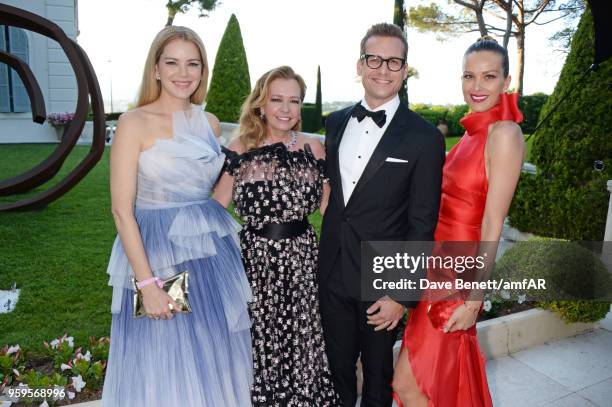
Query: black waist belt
{"points": [[278, 231]]}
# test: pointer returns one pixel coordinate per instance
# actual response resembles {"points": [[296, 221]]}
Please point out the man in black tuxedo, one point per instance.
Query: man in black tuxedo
{"points": [[385, 168]]}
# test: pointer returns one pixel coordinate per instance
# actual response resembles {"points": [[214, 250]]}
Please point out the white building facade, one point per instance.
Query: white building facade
{"points": [[48, 64]]}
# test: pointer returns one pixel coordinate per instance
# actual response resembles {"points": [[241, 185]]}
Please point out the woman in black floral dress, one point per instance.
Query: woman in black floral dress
{"points": [[275, 178]]}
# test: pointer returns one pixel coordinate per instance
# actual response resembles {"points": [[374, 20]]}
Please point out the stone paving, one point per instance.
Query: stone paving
{"points": [[571, 372]]}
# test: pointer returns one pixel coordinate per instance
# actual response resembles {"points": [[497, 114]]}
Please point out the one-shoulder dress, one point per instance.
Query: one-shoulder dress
{"points": [[449, 367], [197, 359]]}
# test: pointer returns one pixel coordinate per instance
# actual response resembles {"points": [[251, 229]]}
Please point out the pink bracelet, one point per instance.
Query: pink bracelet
{"points": [[148, 281]]}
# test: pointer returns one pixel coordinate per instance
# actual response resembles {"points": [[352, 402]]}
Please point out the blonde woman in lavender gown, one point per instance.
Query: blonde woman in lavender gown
{"points": [[165, 160]]}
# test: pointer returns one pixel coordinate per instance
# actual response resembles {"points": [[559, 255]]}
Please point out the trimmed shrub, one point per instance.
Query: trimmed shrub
{"points": [[569, 270], [531, 106], [319, 96], [311, 118], [443, 114], [108, 116], [113, 116], [567, 198], [230, 83], [312, 113], [579, 311], [455, 114]]}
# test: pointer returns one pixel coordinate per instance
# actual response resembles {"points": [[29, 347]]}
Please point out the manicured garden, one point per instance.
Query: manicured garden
{"points": [[56, 256]]}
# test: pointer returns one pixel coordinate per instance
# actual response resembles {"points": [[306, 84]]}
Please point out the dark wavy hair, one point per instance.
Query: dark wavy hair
{"points": [[488, 43]]}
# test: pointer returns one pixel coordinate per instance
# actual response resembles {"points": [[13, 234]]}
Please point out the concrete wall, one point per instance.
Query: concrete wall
{"points": [[51, 69]]}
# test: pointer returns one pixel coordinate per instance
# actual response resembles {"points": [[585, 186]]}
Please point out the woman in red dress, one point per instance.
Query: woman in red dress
{"points": [[440, 363]]}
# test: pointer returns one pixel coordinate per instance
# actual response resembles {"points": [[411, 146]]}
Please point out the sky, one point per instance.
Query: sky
{"points": [[116, 34]]}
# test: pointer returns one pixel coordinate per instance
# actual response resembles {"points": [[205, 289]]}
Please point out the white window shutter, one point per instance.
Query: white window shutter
{"points": [[5, 105], [18, 42]]}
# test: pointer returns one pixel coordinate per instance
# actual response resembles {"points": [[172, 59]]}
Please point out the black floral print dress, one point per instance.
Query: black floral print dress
{"points": [[275, 185]]}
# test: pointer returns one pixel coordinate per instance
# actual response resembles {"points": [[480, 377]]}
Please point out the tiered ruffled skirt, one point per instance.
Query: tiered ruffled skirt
{"points": [[198, 359]]}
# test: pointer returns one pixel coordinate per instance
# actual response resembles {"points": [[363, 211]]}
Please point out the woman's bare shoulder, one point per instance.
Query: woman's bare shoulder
{"points": [[236, 146]]}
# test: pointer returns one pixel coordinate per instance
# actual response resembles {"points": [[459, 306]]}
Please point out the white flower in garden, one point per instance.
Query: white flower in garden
{"points": [[55, 343], [65, 367], [86, 356], [71, 394], [487, 306], [16, 372], [78, 383], [13, 349], [44, 404], [504, 294], [70, 341], [522, 298]]}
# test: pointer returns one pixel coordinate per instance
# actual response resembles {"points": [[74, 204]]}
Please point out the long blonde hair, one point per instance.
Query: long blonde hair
{"points": [[150, 87], [252, 127]]}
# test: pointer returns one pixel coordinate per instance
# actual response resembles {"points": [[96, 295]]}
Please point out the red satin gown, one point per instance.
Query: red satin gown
{"points": [[449, 367]]}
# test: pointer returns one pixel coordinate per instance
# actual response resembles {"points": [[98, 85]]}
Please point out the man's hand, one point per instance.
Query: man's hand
{"points": [[385, 313]]}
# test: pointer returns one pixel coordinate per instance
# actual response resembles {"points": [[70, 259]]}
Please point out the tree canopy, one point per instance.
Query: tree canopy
{"points": [[175, 7], [502, 18]]}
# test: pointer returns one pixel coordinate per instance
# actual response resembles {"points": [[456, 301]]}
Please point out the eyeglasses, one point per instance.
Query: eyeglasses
{"points": [[376, 61]]}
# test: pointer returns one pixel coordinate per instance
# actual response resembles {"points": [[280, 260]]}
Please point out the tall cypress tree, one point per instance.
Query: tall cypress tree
{"points": [[319, 99], [230, 83], [567, 198], [399, 19]]}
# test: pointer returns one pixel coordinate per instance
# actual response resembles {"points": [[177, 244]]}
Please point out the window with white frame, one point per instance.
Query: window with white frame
{"points": [[13, 94]]}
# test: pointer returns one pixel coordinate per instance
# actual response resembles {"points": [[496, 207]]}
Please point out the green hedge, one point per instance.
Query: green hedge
{"points": [[531, 106], [567, 198], [312, 121], [230, 83], [447, 114], [569, 270], [108, 116]]}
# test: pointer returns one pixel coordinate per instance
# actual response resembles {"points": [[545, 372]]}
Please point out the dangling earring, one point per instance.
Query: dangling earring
{"points": [[157, 77]]}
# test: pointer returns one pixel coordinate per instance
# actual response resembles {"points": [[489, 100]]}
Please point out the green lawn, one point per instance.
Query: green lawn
{"points": [[451, 141], [56, 256]]}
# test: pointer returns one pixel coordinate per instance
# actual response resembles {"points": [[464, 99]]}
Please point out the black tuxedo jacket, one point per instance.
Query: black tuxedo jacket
{"points": [[391, 200]]}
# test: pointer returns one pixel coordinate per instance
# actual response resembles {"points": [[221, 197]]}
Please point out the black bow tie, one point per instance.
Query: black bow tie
{"points": [[360, 112]]}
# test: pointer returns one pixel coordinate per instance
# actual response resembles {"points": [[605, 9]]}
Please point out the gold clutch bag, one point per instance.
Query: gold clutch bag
{"points": [[177, 287]]}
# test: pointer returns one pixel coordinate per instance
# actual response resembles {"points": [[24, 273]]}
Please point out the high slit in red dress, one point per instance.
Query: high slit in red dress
{"points": [[449, 367]]}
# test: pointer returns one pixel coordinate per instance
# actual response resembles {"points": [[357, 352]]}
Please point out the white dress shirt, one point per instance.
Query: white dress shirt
{"points": [[358, 143]]}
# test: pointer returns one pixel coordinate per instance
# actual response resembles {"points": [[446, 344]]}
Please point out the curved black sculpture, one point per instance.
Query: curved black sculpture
{"points": [[37, 102], [87, 88]]}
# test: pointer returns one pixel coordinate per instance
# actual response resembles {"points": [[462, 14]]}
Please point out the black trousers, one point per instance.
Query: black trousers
{"points": [[348, 336]]}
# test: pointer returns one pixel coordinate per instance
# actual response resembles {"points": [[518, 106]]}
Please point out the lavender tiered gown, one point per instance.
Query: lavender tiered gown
{"points": [[202, 358]]}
